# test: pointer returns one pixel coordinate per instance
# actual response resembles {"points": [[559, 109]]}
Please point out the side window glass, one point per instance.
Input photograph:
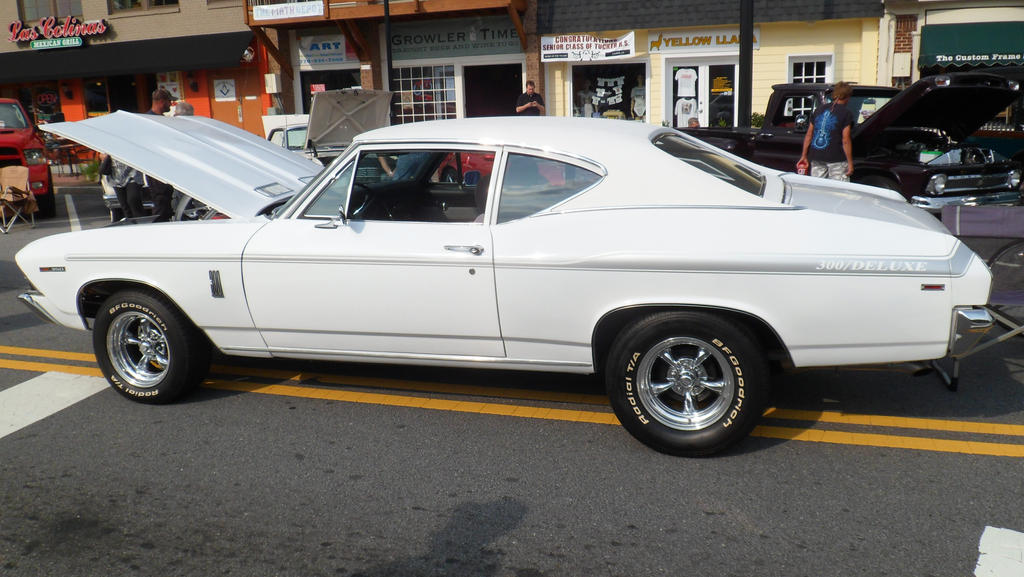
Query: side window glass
{"points": [[532, 184], [434, 185], [277, 136], [331, 198]]}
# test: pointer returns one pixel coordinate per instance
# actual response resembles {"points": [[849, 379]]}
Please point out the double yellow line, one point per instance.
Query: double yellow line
{"points": [[811, 432]]}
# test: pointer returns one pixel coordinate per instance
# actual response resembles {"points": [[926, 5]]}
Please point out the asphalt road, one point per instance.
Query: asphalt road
{"points": [[309, 469]]}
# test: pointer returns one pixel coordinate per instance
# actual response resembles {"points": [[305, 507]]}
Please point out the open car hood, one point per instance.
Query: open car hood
{"points": [[337, 116], [233, 171], [957, 104]]}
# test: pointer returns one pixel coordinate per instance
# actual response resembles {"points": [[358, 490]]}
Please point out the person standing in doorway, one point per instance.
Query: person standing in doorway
{"points": [[638, 99], [161, 191], [530, 103], [827, 143]]}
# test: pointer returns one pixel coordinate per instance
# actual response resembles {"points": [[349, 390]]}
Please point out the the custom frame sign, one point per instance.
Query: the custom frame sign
{"points": [[586, 48], [53, 33]]}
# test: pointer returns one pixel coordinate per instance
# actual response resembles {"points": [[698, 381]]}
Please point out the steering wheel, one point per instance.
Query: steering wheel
{"points": [[369, 202]]}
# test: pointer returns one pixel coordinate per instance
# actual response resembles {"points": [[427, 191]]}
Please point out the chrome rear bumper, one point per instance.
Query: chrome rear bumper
{"points": [[970, 324]]}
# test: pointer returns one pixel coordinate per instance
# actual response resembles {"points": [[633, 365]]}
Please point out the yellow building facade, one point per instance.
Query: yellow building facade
{"points": [[681, 73]]}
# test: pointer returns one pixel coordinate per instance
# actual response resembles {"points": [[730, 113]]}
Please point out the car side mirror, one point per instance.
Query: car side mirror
{"points": [[800, 123]]}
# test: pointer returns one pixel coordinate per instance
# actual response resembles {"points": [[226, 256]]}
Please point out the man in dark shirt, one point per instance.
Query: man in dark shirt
{"points": [[530, 103], [827, 143], [161, 191]]}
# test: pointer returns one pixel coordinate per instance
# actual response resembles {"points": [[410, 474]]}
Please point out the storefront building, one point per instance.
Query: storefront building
{"points": [[938, 36], [680, 60], [73, 59], [448, 60]]}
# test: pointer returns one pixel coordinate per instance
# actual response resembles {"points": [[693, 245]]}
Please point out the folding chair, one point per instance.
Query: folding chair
{"points": [[995, 233], [16, 198]]}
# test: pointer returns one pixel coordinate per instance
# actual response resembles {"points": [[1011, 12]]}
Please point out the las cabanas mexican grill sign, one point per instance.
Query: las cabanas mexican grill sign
{"points": [[52, 33]]}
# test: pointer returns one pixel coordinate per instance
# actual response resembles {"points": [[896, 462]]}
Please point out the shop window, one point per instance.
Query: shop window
{"points": [[810, 69], [423, 93], [97, 101], [610, 91], [119, 5], [32, 10], [321, 80], [687, 86]]}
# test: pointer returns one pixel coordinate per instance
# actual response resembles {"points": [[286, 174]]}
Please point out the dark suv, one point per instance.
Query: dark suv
{"points": [[20, 145]]}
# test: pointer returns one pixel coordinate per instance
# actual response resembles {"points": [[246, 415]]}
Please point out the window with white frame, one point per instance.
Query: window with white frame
{"points": [[38, 9], [810, 68], [423, 93]]}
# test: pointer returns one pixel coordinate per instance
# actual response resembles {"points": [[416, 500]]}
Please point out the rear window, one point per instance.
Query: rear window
{"points": [[713, 162]]}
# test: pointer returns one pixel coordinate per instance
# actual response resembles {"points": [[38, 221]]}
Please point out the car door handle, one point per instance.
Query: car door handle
{"points": [[474, 250]]}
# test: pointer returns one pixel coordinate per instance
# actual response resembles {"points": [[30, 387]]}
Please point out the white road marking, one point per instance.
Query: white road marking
{"points": [[38, 398], [72, 213], [1001, 553]]}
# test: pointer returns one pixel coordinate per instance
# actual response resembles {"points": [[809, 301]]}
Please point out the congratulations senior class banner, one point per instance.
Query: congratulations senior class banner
{"points": [[584, 47]]}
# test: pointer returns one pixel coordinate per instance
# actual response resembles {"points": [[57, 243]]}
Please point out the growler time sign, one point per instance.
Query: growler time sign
{"points": [[52, 33]]}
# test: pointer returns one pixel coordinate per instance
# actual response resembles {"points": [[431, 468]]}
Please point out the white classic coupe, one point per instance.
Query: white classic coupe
{"points": [[678, 271]]}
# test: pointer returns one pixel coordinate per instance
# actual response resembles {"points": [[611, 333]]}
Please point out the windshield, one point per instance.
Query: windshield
{"points": [[11, 116], [713, 162]]}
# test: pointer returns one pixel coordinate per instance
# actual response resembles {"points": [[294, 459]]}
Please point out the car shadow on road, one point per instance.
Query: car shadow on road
{"points": [[991, 386]]}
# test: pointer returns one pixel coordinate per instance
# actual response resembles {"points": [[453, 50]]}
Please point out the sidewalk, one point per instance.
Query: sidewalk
{"points": [[73, 183]]}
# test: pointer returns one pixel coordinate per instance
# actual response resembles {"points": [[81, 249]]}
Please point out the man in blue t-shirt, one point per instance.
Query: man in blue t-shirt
{"points": [[827, 143]]}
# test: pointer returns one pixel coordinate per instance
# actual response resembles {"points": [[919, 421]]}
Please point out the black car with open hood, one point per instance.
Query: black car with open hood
{"points": [[910, 141]]}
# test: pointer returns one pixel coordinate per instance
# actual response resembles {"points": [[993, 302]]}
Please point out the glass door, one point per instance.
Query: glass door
{"points": [[700, 93]]}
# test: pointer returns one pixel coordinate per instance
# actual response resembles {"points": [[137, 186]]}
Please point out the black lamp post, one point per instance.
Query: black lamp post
{"points": [[746, 62], [387, 36]]}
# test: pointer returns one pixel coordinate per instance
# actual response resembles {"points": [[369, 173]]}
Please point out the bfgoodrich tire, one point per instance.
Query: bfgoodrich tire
{"points": [[686, 383], [147, 349]]}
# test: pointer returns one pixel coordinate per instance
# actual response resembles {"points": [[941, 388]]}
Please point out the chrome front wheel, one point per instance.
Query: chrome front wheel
{"points": [[147, 348], [138, 349]]}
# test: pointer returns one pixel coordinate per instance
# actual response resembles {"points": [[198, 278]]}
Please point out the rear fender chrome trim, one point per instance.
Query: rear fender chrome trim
{"points": [[970, 324]]}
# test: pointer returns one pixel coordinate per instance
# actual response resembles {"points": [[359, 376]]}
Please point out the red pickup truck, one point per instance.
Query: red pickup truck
{"points": [[20, 145]]}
